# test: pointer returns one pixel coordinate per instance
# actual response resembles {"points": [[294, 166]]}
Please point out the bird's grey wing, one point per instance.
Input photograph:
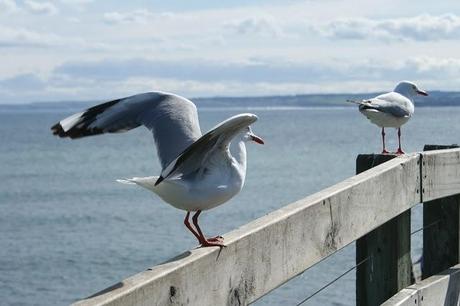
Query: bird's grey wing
{"points": [[390, 103], [172, 119], [196, 155]]}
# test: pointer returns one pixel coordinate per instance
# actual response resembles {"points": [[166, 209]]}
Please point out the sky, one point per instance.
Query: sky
{"points": [[68, 50]]}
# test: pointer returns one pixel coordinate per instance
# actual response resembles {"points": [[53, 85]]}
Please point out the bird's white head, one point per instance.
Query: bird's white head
{"points": [[409, 89], [248, 135]]}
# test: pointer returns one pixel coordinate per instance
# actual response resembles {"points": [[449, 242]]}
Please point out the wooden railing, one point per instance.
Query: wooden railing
{"points": [[441, 289], [267, 252]]}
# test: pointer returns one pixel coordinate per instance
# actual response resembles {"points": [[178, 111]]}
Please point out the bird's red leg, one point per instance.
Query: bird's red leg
{"points": [[384, 151], [400, 151], [216, 241], [190, 228]]}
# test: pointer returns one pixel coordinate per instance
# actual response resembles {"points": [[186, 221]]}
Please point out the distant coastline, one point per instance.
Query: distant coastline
{"points": [[436, 98]]}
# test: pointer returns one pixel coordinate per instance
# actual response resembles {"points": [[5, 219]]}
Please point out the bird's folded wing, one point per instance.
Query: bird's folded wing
{"points": [[172, 119], [389, 107], [196, 155]]}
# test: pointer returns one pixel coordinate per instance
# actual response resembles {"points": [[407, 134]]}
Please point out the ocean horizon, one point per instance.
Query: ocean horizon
{"points": [[436, 98]]}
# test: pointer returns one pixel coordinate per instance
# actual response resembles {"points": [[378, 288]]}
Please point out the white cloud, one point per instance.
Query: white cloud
{"points": [[8, 6], [258, 25], [170, 15], [17, 37], [42, 8], [229, 49], [76, 3], [74, 20], [80, 6], [435, 68], [24, 38], [136, 16], [93, 80], [273, 72], [27, 82], [418, 28]]}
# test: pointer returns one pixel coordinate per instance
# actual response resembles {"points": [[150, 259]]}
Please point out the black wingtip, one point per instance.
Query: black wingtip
{"points": [[159, 180], [74, 132], [81, 125], [58, 130]]}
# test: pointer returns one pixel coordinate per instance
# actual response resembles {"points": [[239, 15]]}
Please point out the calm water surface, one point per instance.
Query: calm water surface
{"points": [[67, 229]]}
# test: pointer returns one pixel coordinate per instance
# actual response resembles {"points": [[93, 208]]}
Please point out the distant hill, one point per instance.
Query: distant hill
{"points": [[436, 98]]}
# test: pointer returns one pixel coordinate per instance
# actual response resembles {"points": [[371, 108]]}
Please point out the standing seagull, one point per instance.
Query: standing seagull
{"points": [[391, 109], [199, 171]]}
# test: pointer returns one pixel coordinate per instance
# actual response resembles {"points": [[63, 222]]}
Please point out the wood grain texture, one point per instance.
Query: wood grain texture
{"points": [[441, 174]]}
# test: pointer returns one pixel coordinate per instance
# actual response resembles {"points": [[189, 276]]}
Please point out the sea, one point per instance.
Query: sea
{"points": [[68, 229]]}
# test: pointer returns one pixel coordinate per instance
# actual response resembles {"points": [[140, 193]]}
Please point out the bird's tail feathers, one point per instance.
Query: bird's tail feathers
{"points": [[126, 181], [146, 182]]}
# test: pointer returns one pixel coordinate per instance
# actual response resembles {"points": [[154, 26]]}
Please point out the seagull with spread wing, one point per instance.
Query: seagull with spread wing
{"points": [[391, 109], [199, 171]]}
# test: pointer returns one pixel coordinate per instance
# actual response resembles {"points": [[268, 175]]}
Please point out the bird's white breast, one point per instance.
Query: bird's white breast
{"points": [[214, 187], [384, 120]]}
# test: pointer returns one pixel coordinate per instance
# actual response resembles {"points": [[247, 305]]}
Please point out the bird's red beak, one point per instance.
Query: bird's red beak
{"points": [[257, 139], [421, 92]]}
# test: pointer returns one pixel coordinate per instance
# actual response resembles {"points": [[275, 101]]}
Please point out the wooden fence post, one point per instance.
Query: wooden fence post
{"points": [[389, 267], [441, 234]]}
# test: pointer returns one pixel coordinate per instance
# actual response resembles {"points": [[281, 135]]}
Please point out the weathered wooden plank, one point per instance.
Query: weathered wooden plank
{"points": [[439, 289], [441, 174], [441, 236], [405, 297], [269, 251], [389, 268]]}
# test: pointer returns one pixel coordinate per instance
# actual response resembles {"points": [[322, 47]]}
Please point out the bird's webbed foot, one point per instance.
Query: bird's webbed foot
{"points": [[215, 241]]}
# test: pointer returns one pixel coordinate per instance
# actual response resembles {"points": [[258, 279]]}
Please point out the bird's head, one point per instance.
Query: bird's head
{"points": [[409, 89], [248, 135]]}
